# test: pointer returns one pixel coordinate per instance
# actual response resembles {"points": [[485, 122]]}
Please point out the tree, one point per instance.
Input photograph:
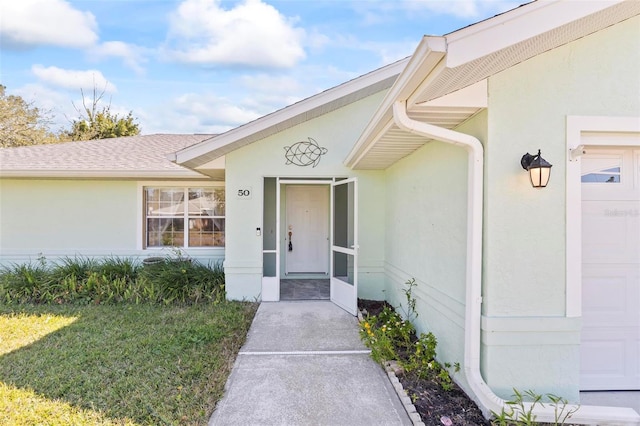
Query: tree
{"points": [[21, 123], [100, 123]]}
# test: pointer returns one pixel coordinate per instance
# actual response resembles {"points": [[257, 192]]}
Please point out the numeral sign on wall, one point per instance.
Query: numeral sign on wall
{"points": [[244, 193]]}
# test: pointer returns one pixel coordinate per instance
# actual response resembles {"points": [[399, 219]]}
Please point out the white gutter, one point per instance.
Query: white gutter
{"points": [[481, 393]]}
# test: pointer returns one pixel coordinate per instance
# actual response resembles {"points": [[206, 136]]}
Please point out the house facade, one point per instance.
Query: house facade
{"points": [[95, 199], [414, 172]]}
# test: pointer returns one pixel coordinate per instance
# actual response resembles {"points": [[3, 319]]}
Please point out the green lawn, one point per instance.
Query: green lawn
{"points": [[117, 364]]}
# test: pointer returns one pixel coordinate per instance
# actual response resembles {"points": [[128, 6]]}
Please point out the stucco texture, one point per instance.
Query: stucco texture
{"points": [[66, 218], [248, 166], [524, 228], [426, 240], [67, 215]]}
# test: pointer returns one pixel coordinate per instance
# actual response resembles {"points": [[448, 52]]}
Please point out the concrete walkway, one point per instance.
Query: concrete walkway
{"points": [[304, 364]]}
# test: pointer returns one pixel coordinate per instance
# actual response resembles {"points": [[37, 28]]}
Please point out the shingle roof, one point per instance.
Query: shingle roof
{"points": [[134, 156]]}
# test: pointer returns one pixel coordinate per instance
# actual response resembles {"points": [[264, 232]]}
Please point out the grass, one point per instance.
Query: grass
{"points": [[124, 364]]}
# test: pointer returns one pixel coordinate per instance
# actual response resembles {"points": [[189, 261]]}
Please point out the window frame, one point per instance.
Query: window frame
{"points": [[142, 237]]}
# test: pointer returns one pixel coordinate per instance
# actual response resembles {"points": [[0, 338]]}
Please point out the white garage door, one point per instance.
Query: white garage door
{"points": [[610, 346]]}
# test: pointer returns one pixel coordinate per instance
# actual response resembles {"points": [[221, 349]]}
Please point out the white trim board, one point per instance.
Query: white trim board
{"points": [[582, 132]]}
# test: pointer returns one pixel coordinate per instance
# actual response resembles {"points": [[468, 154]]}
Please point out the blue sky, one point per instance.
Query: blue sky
{"points": [[205, 66]]}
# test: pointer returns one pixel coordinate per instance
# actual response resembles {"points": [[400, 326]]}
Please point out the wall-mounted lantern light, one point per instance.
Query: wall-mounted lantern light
{"points": [[539, 169]]}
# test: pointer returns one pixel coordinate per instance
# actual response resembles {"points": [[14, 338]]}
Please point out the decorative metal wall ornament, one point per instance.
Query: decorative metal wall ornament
{"points": [[304, 153]]}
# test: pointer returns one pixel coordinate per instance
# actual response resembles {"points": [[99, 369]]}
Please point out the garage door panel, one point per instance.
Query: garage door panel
{"points": [[620, 355], [612, 296], [610, 342], [611, 231]]}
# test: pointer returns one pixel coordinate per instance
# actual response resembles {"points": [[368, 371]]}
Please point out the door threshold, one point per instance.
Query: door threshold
{"points": [[308, 276]]}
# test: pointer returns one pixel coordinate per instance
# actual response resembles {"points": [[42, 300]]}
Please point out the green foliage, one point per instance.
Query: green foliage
{"points": [[112, 280], [390, 337], [100, 123], [103, 124], [519, 410], [21, 123], [411, 301], [182, 280], [386, 334], [422, 360]]}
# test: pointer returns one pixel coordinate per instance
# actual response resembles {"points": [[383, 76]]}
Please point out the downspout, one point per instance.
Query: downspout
{"points": [[481, 393]]}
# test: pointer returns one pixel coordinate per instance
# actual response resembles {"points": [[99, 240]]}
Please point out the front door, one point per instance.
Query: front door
{"points": [[307, 229], [344, 246]]}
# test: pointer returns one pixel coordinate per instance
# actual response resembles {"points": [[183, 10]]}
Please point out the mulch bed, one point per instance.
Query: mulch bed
{"points": [[436, 406]]}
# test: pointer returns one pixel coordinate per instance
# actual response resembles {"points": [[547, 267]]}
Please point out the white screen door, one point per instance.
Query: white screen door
{"points": [[344, 244]]}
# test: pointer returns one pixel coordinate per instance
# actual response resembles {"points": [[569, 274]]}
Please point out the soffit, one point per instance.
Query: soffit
{"points": [[394, 144]]}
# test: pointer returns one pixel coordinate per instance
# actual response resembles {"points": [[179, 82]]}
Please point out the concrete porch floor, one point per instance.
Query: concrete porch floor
{"points": [[304, 289], [629, 399]]}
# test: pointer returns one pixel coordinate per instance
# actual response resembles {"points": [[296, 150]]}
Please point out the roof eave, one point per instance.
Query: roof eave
{"points": [[427, 58], [515, 26], [101, 174]]}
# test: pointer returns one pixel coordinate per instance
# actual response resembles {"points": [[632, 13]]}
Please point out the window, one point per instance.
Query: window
{"points": [[605, 168], [184, 217], [611, 175]]}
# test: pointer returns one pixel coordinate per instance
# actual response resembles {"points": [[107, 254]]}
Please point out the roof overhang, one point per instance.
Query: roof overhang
{"points": [[103, 174], [443, 80], [200, 154]]}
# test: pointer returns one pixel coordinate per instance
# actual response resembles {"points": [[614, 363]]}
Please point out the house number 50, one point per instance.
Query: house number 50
{"points": [[244, 193]]}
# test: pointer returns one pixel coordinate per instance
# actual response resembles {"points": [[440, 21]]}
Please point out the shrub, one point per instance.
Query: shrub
{"points": [[182, 280], [23, 283], [112, 280]]}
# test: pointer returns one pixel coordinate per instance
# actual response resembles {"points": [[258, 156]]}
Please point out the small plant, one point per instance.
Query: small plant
{"points": [[519, 410], [390, 337], [411, 301], [387, 334], [562, 410]]}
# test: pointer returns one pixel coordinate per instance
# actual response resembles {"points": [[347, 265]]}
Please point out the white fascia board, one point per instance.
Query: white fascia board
{"points": [[515, 26], [290, 112], [427, 56], [106, 174]]}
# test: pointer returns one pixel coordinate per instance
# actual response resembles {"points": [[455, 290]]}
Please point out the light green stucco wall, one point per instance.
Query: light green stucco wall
{"points": [[528, 343], [66, 218], [246, 168], [426, 238]]}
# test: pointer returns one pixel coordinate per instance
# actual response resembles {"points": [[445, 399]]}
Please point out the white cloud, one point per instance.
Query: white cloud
{"points": [[132, 56], [251, 34], [196, 113], [214, 110], [29, 23], [392, 52], [73, 79], [265, 83]]}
